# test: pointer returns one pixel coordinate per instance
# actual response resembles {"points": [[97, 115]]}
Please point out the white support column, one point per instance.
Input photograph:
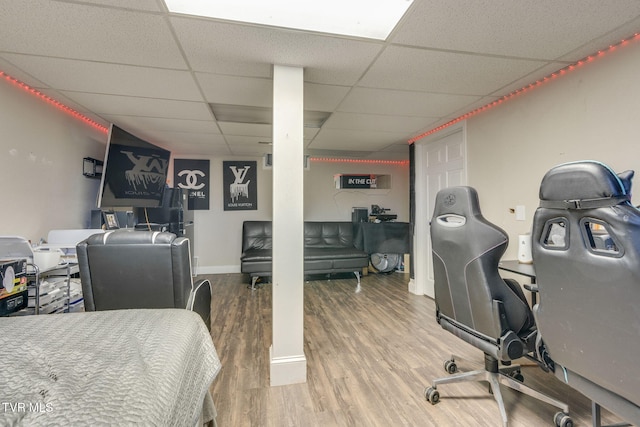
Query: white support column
{"points": [[288, 362]]}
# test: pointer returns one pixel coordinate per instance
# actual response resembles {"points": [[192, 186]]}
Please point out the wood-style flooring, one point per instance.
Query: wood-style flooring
{"points": [[369, 357]]}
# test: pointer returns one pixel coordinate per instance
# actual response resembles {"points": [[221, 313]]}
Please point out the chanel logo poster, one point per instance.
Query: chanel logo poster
{"points": [[193, 176], [240, 185]]}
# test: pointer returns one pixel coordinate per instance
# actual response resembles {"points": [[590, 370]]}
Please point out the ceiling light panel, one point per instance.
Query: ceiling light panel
{"points": [[357, 18]]}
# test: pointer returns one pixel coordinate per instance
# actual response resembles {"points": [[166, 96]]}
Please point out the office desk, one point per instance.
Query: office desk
{"points": [[526, 270]]}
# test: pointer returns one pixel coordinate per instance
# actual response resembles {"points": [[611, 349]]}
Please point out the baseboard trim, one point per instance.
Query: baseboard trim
{"points": [[287, 370], [218, 269]]}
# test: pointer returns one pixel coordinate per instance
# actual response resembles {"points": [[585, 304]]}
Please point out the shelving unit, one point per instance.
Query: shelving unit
{"points": [[53, 290]]}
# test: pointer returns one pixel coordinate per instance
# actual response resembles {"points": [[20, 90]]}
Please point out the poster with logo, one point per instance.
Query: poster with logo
{"points": [[240, 182], [193, 176]]}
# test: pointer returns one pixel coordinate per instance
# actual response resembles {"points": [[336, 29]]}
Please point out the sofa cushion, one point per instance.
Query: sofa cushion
{"points": [[333, 253], [256, 235], [258, 268], [351, 263], [328, 234], [317, 265]]}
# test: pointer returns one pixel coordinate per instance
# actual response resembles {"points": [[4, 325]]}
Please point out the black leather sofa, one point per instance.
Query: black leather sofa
{"points": [[328, 248]]}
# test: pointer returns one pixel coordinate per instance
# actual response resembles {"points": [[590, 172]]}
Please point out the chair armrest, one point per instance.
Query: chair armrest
{"points": [[200, 300]]}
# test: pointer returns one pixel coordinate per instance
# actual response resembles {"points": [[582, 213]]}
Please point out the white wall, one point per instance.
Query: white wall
{"points": [[591, 113], [219, 233], [41, 169], [41, 166], [323, 202]]}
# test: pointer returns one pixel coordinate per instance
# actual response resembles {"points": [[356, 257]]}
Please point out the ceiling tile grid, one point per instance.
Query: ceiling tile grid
{"points": [[156, 73]]}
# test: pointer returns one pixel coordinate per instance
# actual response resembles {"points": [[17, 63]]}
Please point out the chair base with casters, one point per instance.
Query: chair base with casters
{"points": [[509, 376]]}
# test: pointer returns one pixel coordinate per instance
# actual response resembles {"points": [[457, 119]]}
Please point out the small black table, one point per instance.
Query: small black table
{"points": [[382, 237], [528, 270]]}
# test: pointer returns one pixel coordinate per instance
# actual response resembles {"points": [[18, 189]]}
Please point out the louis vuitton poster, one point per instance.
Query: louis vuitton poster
{"points": [[193, 176], [240, 181]]}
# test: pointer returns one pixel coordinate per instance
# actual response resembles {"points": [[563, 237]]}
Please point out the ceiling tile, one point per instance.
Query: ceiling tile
{"points": [[318, 97], [69, 102], [374, 122], [247, 129], [155, 72], [163, 124], [444, 72], [141, 107], [355, 140], [72, 30], [624, 32], [147, 5], [402, 103], [251, 91], [543, 29], [231, 48], [173, 140], [400, 148], [9, 68], [115, 79], [538, 74], [246, 140]]}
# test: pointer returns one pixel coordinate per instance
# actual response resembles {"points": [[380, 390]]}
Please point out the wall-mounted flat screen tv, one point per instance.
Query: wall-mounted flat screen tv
{"points": [[134, 172]]}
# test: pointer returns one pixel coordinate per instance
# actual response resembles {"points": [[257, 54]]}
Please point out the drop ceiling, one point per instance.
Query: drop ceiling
{"points": [[158, 74]]}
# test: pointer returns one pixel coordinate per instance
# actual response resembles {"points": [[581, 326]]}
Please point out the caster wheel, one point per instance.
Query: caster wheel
{"points": [[432, 395], [450, 366], [562, 420], [517, 375]]}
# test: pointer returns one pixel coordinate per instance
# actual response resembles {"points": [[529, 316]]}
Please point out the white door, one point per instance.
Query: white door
{"points": [[440, 163]]}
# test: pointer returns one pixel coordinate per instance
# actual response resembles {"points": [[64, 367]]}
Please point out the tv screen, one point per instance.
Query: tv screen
{"points": [[134, 172]]}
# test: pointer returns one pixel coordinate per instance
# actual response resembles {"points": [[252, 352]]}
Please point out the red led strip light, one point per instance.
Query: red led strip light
{"points": [[60, 106], [367, 161], [104, 129], [529, 87]]}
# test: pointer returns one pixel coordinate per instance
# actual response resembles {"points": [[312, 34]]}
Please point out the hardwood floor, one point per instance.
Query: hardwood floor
{"points": [[369, 357]]}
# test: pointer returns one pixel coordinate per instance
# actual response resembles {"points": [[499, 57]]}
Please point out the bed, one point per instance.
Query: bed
{"points": [[120, 367]]}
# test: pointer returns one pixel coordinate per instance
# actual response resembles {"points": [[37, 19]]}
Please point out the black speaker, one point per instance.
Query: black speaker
{"points": [[359, 215]]}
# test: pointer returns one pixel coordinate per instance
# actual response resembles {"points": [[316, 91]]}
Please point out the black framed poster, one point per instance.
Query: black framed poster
{"points": [[193, 176], [240, 182]]}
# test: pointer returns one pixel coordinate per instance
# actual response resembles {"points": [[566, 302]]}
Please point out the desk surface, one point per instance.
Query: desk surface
{"points": [[517, 267]]}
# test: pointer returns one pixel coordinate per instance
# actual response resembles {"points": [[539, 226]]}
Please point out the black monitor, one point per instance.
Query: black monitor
{"points": [[134, 172]]}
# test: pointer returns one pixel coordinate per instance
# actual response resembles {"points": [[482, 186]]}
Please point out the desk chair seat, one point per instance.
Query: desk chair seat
{"points": [[474, 303], [126, 269]]}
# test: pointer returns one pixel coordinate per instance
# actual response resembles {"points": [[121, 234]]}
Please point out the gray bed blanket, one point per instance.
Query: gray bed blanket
{"points": [[122, 367]]}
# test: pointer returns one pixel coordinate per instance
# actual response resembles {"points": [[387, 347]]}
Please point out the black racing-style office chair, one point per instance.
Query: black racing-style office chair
{"points": [[586, 250], [126, 269], [477, 305]]}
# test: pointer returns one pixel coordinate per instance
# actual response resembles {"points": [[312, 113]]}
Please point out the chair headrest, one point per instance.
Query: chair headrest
{"points": [[130, 236], [584, 185], [461, 201]]}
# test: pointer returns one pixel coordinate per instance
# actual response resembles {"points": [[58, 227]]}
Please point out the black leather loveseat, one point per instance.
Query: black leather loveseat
{"points": [[328, 248]]}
